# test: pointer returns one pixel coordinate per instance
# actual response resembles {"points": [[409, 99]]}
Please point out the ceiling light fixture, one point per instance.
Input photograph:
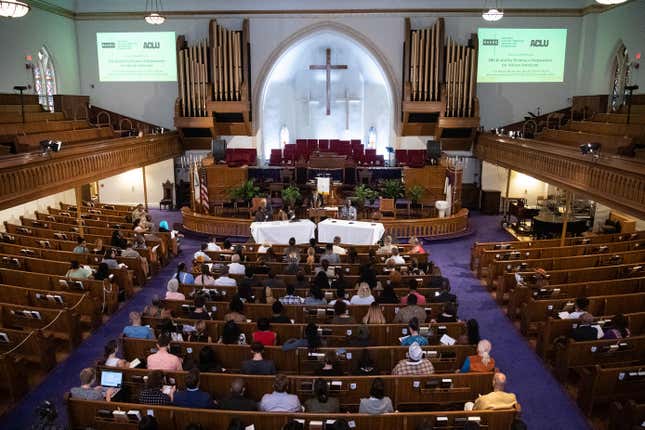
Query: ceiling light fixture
{"points": [[13, 8], [492, 14], [153, 12], [610, 2]]}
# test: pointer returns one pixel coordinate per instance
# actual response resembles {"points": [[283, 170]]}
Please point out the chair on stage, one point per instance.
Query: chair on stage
{"points": [[289, 154], [401, 157], [387, 206], [275, 159], [370, 156], [416, 157], [166, 201], [312, 146], [323, 145]]}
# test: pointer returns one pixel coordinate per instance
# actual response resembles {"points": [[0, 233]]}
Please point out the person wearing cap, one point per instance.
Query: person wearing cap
{"points": [[415, 364]]}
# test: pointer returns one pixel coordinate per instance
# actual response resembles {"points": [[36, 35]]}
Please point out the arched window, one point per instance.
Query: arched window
{"points": [[619, 78], [45, 79]]}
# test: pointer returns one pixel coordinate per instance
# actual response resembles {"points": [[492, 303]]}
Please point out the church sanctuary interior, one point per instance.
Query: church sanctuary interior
{"points": [[322, 215]]}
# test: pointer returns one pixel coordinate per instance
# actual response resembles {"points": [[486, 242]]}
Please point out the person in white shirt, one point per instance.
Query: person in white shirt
{"points": [[363, 296], [581, 306], [387, 247], [396, 258], [337, 248], [224, 280], [205, 277], [280, 400], [212, 246], [202, 254], [235, 268], [262, 249]]}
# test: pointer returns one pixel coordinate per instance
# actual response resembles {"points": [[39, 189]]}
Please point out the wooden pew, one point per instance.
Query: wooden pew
{"points": [[85, 413], [619, 118], [622, 145], [554, 328], [298, 313], [627, 415], [635, 131], [335, 335], [363, 257], [444, 358], [31, 142], [13, 117], [17, 357], [537, 311], [61, 325], [574, 355], [601, 385], [9, 131]]}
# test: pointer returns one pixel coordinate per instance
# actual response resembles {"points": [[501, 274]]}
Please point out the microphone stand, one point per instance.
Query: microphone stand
{"points": [[21, 88], [631, 89]]}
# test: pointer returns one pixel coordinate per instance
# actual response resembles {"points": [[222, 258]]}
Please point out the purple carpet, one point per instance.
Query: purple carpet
{"points": [[545, 404]]}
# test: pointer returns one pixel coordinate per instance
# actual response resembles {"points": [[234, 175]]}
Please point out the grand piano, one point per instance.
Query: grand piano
{"points": [[547, 225]]}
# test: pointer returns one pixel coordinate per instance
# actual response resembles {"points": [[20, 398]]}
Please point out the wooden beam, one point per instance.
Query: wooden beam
{"points": [[145, 187], [79, 204]]}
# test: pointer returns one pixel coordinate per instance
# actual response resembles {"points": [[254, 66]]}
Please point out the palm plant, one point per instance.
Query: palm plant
{"points": [[245, 192], [291, 195], [392, 188], [415, 194], [364, 193]]}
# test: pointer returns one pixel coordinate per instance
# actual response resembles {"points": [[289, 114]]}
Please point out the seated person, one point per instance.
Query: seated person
{"points": [[413, 336], [200, 312], [617, 328], [246, 285], [138, 211], [118, 240], [416, 246], [78, 272], [315, 297], [263, 213], [102, 272], [314, 244], [278, 316], [273, 282], [201, 255], [444, 293], [395, 257], [388, 295], [498, 398], [415, 364], [131, 252], [363, 296], [341, 296], [231, 334], [257, 365], [193, 397], [109, 258], [236, 401], [374, 315], [162, 359], [312, 340], [336, 248], [347, 211], [587, 330], [183, 276], [377, 403], [412, 289], [200, 334], [212, 246], [329, 255], [81, 248], [325, 268], [449, 313], [482, 362], [580, 307], [207, 362], [264, 334], [87, 390], [205, 278], [411, 310], [292, 248], [291, 298], [236, 308], [341, 314], [224, 280], [280, 400], [135, 330], [235, 268], [172, 290], [110, 358], [322, 403], [330, 365], [387, 247], [264, 247], [153, 393]]}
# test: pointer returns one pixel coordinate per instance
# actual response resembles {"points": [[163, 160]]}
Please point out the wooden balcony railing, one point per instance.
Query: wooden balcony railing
{"points": [[26, 177], [614, 181]]}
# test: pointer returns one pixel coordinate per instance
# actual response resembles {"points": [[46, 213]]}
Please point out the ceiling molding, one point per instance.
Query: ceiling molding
{"points": [[46, 6]]}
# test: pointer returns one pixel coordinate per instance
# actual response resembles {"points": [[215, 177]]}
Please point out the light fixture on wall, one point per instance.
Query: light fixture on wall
{"points": [[13, 8], [153, 12], [610, 2], [492, 14], [371, 137]]}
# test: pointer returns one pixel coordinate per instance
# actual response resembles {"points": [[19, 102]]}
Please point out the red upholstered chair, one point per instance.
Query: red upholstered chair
{"points": [[236, 157], [301, 149], [370, 156], [323, 145], [276, 157], [380, 160], [416, 157], [358, 152], [289, 153], [334, 145], [345, 148], [312, 146], [402, 157]]}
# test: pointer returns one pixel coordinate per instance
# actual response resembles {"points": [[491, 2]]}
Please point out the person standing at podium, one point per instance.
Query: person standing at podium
{"points": [[348, 212], [263, 213]]}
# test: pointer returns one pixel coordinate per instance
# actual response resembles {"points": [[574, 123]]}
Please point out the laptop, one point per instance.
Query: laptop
{"points": [[112, 379]]}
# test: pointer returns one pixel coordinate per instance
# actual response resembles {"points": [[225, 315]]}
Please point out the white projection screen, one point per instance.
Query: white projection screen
{"points": [[137, 57], [521, 55]]}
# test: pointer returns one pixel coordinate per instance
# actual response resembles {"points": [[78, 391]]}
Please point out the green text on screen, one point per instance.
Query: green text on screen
{"points": [[137, 57], [521, 55]]}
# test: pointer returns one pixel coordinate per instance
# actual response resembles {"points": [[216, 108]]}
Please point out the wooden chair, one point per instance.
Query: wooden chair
{"points": [[387, 206], [167, 196]]}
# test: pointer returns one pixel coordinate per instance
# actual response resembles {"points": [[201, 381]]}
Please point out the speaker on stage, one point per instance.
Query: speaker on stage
{"points": [[433, 151], [218, 148]]}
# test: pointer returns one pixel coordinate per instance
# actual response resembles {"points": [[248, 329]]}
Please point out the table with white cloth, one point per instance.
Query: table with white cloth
{"points": [[279, 232], [350, 232]]}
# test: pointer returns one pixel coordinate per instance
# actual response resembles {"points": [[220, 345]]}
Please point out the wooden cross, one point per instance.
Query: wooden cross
{"points": [[328, 67], [347, 100]]}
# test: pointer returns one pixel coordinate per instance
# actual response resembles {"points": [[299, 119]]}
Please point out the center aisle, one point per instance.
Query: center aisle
{"points": [[66, 374], [545, 404]]}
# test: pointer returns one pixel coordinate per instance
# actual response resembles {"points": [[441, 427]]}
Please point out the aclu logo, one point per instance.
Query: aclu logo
{"points": [[107, 45], [490, 42], [151, 45], [540, 43]]}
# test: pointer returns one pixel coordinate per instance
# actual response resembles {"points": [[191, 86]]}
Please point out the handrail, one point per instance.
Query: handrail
{"points": [[12, 350]]}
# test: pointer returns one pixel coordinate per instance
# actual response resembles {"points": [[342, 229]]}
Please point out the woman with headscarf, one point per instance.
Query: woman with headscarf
{"points": [[482, 362]]}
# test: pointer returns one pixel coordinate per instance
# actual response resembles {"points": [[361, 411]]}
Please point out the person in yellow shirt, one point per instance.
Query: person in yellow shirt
{"points": [[498, 398]]}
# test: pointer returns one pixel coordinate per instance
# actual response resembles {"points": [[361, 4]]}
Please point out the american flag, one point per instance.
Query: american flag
{"points": [[203, 190]]}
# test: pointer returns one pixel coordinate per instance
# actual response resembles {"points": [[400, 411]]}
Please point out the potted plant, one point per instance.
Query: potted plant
{"points": [[415, 194], [363, 193], [245, 192], [290, 196], [392, 189]]}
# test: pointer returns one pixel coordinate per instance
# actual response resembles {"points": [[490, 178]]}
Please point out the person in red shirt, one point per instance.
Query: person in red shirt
{"points": [[412, 287], [264, 335]]}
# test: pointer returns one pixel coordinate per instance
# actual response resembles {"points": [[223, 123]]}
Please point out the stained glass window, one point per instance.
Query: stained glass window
{"points": [[45, 79]]}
